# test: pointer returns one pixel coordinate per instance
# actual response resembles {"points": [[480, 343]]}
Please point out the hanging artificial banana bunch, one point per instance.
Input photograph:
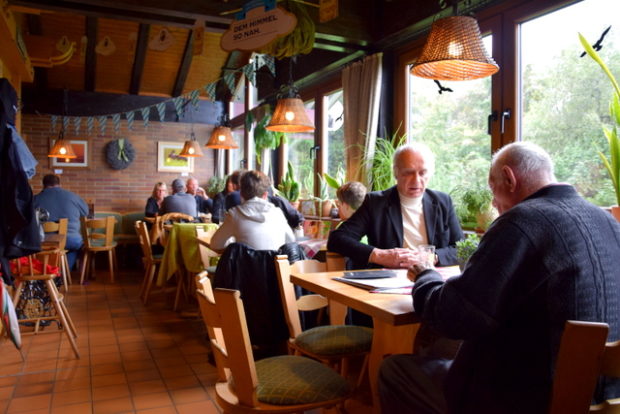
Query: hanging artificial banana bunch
{"points": [[300, 40]]}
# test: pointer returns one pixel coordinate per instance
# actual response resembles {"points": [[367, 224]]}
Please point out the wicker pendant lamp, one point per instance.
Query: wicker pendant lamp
{"points": [[221, 137], [191, 148], [62, 147], [454, 52], [290, 114]]}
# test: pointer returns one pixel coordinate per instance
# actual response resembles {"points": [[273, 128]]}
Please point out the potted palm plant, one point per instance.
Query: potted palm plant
{"points": [[612, 164], [289, 187], [324, 203]]}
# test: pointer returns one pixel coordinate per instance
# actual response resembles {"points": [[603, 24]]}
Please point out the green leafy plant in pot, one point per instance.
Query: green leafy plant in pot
{"points": [[477, 201], [215, 185], [612, 164], [465, 249], [289, 187], [324, 203]]}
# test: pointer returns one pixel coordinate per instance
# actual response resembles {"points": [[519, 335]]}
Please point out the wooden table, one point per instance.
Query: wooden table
{"points": [[395, 323]]}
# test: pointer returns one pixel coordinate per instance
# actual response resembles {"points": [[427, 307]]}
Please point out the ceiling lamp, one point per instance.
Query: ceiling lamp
{"points": [[221, 138], [62, 148], [191, 148], [290, 114], [454, 52]]}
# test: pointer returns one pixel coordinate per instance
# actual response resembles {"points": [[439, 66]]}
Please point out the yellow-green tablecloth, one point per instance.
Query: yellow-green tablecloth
{"points": [[181, 251]]}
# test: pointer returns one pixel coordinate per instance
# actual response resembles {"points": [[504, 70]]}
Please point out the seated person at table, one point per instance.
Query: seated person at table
{"points": [[155, 201], [550, 257], [255, 222], [350, 197], [179, 201], [61, 203], [401, 218], [203, 203], [293, 217], [219, 203]]}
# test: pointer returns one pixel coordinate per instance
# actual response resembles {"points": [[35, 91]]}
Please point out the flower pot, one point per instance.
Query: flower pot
{"points": [[307, 207], [615, 211], [326, 208], [485, 219], [295, 204]]}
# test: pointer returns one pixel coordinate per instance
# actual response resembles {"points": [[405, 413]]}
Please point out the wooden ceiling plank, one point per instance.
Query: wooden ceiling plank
{"points": [[185, 64], [139, 58], [91, 56]]}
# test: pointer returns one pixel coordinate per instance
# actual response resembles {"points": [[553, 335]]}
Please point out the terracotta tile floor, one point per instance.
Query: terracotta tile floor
{"points": [[134, 359]]}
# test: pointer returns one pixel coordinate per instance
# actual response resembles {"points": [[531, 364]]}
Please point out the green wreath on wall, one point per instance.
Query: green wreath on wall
{"points": [[119, 154]]}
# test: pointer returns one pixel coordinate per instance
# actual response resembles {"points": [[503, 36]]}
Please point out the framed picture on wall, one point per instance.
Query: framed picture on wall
{"points": [[81, 148], [169, 160]]}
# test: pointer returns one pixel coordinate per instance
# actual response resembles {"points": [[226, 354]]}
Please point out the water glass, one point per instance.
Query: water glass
{"points": [[427, 255]]}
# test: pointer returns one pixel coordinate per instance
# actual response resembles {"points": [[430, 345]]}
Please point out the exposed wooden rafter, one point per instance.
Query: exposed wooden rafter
{"points": [[139, 58], [186, 62], [91, 56]]}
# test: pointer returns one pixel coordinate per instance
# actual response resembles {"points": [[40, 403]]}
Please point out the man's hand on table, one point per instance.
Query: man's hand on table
{"points": [[414, 271], [397, 258]]}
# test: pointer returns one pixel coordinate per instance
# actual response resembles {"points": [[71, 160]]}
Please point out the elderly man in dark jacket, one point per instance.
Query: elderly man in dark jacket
{"points": [[550, 257]]}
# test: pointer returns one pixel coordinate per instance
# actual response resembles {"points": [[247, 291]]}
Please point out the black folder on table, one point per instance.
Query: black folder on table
{"points": [[370, 274]]}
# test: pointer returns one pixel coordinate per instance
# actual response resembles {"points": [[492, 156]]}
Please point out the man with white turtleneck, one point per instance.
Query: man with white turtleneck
{"points": [[399, 219]]}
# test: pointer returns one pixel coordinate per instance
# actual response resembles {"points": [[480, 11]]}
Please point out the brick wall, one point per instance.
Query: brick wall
{"points": [[117, 190]]}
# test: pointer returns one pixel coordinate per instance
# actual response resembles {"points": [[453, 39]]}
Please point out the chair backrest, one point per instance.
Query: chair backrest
{"points": [[204, 287], [166, 219], [118, 219], [144, 239], [290, 304], [98, 232], [205, 253], [59, 227], [224, 310], [584, 355], [335, 261], [38, 264]]}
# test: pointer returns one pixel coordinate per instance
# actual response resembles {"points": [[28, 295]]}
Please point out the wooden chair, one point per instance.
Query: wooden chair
{"points": [[151, 261], [30, 273], [282, 384], [165, 220], [60, 228], [584, 355], [98, 236], [332, 344], [205, 253]]}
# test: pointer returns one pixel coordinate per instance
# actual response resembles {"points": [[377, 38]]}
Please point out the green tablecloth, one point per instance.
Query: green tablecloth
{"points": [[181, 251]]}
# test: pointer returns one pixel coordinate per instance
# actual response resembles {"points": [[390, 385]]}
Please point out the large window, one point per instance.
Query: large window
{"points": [[299, 150], [564, 97], [454, 124], [334, 144]]}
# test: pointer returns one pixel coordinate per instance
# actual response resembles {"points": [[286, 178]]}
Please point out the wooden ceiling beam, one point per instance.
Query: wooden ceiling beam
{"points": [[186, 62], [139, 58], [90, 63], [138, 14]]}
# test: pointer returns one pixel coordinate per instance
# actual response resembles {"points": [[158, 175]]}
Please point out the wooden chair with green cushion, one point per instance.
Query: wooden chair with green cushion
{"points": [[584, 356], [331, 344], [282, 384], [98, 235], [151, 261]]}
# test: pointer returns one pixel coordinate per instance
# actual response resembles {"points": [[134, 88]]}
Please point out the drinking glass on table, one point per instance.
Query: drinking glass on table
{"points": [[426, 253]]}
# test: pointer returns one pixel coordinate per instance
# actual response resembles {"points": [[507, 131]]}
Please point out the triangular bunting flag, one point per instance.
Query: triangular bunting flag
{"points": [[249, 72], [193, 96], [90, 123], [53, 121], [229, 78], [130, 116], [270, 63], [65, 123], [146, 113], [161, 109], [178, 105], [102, 120], [210, 89], [116, 119], [77, 123]]}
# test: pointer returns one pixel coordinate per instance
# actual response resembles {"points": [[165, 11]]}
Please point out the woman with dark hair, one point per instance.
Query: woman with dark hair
{"points": [[154, 202], [219, 201]]}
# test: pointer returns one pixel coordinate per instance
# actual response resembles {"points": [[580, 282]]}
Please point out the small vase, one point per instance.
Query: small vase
{"points": [[326, 208]]}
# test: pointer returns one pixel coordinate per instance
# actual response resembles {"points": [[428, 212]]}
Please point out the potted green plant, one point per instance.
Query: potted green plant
{"points": [[215, 185], [477, 202], [612, 164], [465, 248], [289, 187], [324, 203], [264, 139], [335, 182]]}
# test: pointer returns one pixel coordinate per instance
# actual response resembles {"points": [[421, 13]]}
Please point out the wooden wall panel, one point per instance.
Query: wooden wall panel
{"points": [[71, 74], [206, 68], [118, 190], [113, 72], [161, 67]]}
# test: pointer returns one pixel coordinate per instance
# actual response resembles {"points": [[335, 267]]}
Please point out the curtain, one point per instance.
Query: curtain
{"points": [[361, 83]]}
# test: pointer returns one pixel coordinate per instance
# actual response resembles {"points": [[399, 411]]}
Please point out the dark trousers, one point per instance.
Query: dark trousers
{"points": [[413, 384]]}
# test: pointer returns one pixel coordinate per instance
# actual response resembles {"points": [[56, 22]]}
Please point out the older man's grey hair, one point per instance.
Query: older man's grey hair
{"points": [[178, 185], [527, 160], [418, 147]]}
